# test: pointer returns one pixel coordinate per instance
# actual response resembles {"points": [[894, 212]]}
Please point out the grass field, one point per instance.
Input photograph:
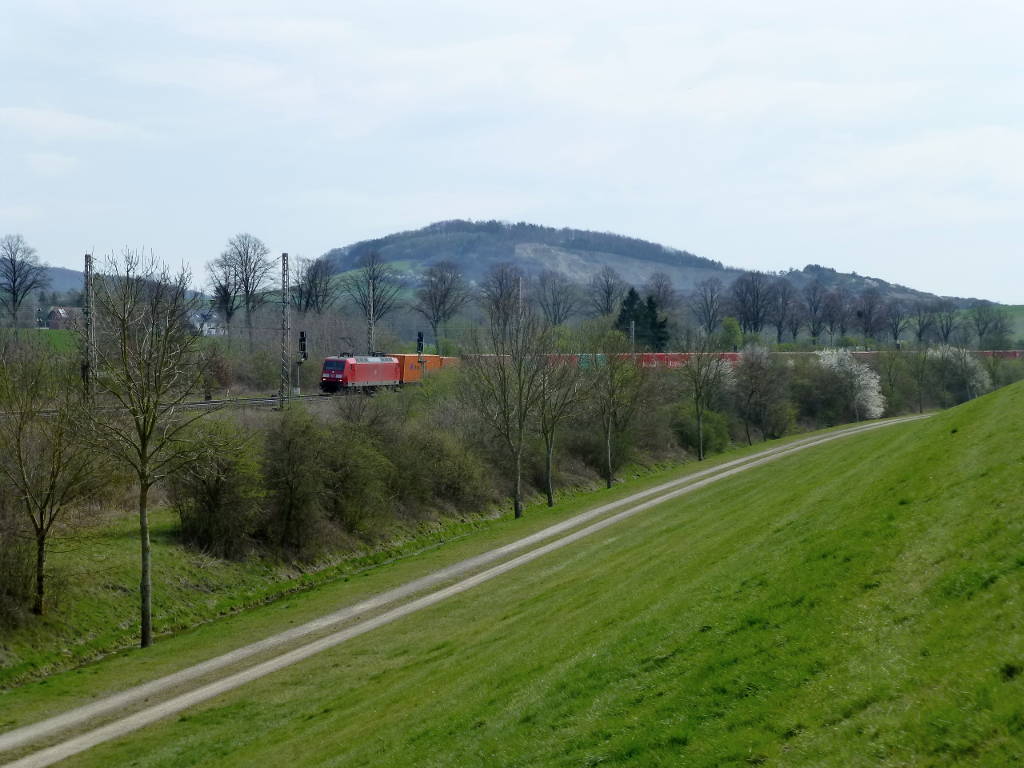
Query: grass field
{"points": [[859, 604], [94, 577]]}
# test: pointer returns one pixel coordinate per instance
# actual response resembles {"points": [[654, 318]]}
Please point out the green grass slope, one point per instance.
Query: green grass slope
{"points": [[94, 579], [859, 604]]}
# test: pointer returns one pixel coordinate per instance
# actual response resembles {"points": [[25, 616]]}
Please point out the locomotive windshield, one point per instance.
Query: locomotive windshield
{"points": [[334, 365]]}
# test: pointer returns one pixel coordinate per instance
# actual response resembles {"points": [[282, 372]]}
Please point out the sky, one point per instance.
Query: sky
{"points": [[885, 138]]}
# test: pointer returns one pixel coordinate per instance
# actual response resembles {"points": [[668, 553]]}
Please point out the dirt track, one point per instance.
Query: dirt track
{"points": [[633, 504]]}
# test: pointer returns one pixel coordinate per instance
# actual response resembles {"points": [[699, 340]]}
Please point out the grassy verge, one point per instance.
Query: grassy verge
{"points": [[204, 606], [858, 604]]}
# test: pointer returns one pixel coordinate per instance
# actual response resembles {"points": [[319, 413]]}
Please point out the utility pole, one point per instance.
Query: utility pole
{"points": [[286, 368], [88, 311], [632, 336]]}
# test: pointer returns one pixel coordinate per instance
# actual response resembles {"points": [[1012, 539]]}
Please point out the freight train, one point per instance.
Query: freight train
{"points": [[363, 373], [355, 373]]}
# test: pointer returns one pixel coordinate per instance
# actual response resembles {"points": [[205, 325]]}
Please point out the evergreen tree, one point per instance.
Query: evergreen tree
{"points": [[632, 312], [657, 327], [651, 331]]}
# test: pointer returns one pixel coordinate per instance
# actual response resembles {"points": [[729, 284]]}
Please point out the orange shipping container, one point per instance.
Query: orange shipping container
{"points": [[411, 369]]}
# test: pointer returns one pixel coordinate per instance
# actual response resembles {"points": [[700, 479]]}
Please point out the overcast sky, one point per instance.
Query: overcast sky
{"points": [[885, 138]]}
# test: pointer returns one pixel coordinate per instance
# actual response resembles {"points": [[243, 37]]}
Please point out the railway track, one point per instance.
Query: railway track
{"points": [[249, 402], [234, 402]]}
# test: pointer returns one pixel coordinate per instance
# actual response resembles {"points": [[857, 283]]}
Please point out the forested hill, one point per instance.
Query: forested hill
{"points": [[476, 245]]}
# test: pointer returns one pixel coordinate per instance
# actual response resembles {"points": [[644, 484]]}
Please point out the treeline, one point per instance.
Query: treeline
{"points": [[543, 399]]}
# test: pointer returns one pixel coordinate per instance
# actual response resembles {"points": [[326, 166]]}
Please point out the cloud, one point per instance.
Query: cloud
{"points": [[51, 124], [14, 213], [51, 163]]}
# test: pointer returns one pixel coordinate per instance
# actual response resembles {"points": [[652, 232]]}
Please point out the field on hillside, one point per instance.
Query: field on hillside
{"points": [[859, 604]]}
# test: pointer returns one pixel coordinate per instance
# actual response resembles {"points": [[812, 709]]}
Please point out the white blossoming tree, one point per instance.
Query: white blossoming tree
{"points": [[960, 372], [860, 384]]}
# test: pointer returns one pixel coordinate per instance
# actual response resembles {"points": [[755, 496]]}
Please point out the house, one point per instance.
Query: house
{"points": [[64, 318], [207, 323]]}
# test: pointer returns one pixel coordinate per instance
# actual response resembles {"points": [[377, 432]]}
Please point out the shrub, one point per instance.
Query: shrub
{"points": [[716, 430], [434, 468], [854, 382], [293, 476], [218, 495], [358, 484], [16, 564], [959, 372]]}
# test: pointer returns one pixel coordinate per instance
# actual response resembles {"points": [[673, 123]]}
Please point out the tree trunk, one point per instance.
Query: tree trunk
{"points": [[37, 605], [369, 335], [146, 583], [700, 434], [550, 483], [608, 455], [517, 498], [437, 341]]}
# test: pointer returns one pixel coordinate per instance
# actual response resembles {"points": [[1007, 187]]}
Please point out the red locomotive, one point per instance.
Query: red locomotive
{"points": [[356, 372], [349, 373]]}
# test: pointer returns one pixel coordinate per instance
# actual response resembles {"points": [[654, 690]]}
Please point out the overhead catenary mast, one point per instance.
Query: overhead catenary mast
{"points": [[88, 312], [286, 384]]}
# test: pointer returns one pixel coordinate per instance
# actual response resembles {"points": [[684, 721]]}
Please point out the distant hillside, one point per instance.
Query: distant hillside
{"points": [[63, 280], [477, 245]]}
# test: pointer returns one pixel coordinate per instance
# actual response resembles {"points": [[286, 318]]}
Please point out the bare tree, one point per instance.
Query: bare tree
{"points": [[837, 309], [615, 384], [560, 397], [990, 323], [556, 295], [781, 304], [920, 369], [503, 380], [704, 376], [659, 285], [225, 287], [606, 291], [869, 312], [750, 297], [706, 304], [896, 319], [814, 305], [947, 320], [252, 265], [44, 459], [797, 319], [922, 319], [149, 365], [20, 273], [501, 292], [441, 295], [374, 289], [315, 289], [760, 393]]}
